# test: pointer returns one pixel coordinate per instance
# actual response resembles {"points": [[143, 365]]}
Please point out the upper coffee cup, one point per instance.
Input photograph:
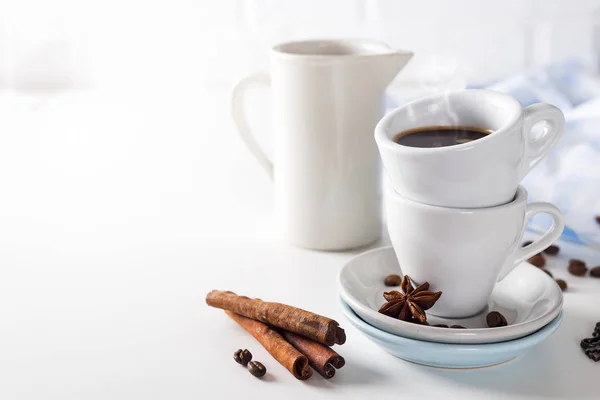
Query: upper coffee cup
{"points": [[484, 172]]}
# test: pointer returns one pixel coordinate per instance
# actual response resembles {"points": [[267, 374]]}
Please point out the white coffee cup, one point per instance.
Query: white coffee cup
{"points": [[327, 99], [481, 173], [464, 252]]}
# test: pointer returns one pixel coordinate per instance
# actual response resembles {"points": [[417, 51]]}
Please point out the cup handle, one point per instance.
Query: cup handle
{"points": [[524, 253], [239, 117], [536, 149]]}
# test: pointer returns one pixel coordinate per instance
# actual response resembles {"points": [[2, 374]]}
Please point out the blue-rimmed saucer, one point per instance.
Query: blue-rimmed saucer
{"points": [[446, 355]]}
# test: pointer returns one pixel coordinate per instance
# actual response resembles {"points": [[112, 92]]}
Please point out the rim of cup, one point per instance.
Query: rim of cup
{"points": [[324, 49], [383, 137], [520, 197]]}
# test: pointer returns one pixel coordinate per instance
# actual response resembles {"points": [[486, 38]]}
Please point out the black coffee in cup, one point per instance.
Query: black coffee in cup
{"points": [[440, 136]]}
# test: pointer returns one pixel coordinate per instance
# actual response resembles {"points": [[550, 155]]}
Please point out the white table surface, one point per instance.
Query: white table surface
{"points": [[118, 214]]}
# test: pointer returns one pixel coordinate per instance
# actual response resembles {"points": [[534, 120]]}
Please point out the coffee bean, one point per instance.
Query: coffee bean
{"points": [[392, 280], [546, 271], [256, 369], [552, 250], [598, 219], [576, 261], [441, 326], [591, 347], [562, 284], [577, 268], [590, 342], [495, 320], [596, 332], [242, 356], [595, 272], [538, 260], [593, 354], [458, 327]]}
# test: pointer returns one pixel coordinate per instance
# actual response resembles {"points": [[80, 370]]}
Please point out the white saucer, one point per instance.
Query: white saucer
{"points": [[450, 355], [527, 297]]}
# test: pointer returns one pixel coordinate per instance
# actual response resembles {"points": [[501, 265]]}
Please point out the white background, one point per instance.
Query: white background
{"points": [[126, 195], [134, 44]]}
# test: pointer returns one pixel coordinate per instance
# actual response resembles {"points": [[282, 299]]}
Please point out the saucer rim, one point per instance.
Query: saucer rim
{"points": [[509, 345], [462, 334]]}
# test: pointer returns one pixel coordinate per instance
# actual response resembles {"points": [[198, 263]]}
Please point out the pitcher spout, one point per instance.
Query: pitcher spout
{"points": [[384, 63], [387, 65], [379, 63]]}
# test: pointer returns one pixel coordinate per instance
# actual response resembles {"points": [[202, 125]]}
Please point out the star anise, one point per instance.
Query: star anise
{"points": [[410, 305]]}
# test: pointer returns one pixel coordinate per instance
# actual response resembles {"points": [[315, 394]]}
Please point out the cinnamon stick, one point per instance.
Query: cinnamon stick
{"points": [[304, 323], [276, 345], [322, 358]]}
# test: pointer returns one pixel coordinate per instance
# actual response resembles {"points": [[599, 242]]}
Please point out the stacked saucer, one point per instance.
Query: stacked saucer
{"points": [[528, 298]]}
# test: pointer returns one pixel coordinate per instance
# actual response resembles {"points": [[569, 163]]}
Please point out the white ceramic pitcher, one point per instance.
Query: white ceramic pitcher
{"points": [[327, 99]]}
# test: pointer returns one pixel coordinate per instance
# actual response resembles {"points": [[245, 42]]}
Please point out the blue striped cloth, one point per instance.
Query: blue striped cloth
{"points": [[569, 176]]}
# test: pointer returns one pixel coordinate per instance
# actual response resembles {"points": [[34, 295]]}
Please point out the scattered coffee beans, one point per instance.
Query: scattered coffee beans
{"points": [[242, 356], [441, 326], [562, 284], [591, 345], [256, 369], [538, 260], [552, 250], [496, 320], [576, 261], [458, 327], [577, 267], [546, 271], [591, 348], [392, 280], [595, 272]]}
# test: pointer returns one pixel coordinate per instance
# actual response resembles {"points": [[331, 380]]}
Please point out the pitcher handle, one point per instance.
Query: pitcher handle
{"points": [[524, 253], [239, 117]]}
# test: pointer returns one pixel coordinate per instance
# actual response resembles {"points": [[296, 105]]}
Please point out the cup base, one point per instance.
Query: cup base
{"points": [[335, 246], [456, 315]]}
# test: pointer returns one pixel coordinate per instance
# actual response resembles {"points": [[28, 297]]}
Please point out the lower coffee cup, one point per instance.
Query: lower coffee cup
{"points": [[464, 252]]}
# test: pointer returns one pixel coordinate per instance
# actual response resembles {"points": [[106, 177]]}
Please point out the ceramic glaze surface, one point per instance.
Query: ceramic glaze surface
{"points": [[481, 173], [528, 298], [464, 252], [327, 97], [444, 355]]}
